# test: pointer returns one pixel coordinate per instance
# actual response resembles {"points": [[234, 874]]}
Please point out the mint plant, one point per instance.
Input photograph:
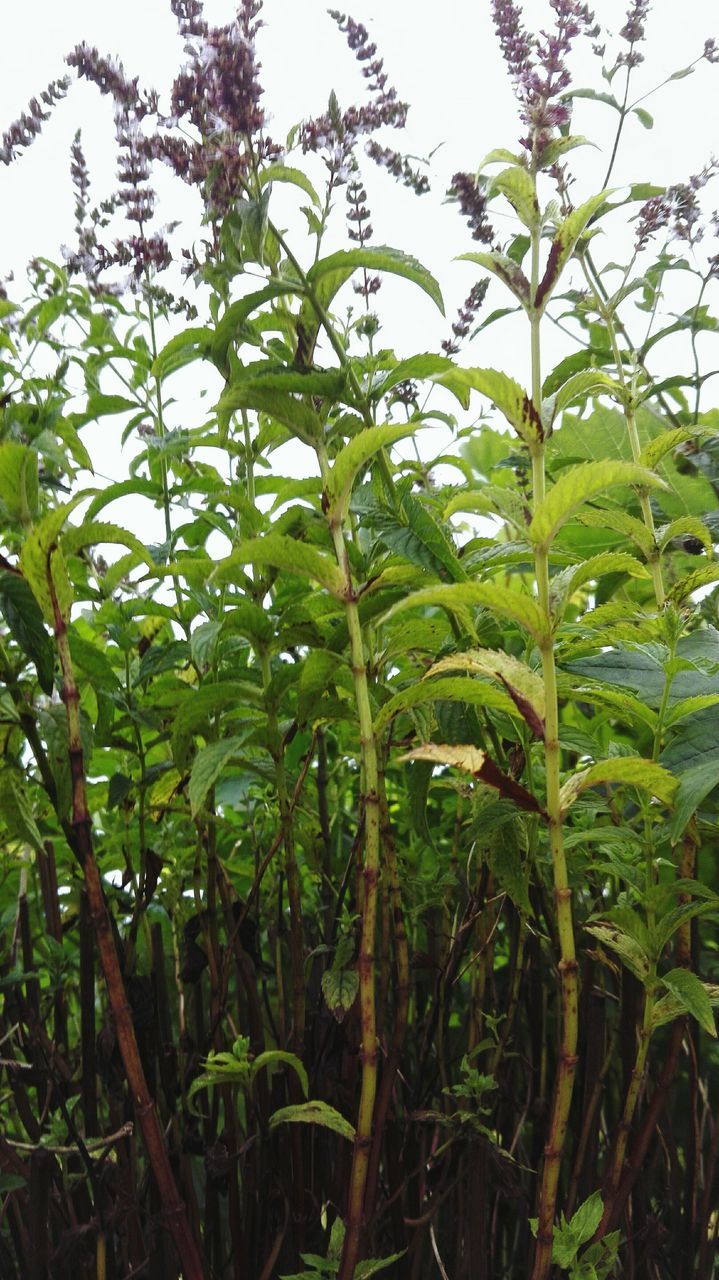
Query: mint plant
{"points": [[358, 891]]}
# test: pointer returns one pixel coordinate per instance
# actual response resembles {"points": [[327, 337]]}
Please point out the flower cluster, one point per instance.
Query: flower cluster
{"points": [[23, 131], [473, 206], [110, 78], [465, 317], [711, 52], [633, 33], [334, 134], [399, 166], [538, 64], [676, 210]]}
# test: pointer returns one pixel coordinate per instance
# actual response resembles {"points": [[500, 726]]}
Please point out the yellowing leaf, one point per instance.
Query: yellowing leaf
{"points": [[628, 771]]}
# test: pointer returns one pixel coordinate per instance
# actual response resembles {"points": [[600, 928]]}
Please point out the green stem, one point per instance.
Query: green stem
{"points": [[370, 876], [567, 1066]]}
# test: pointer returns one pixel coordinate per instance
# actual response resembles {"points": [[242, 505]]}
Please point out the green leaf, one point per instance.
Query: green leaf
{"points": [[502, 266], [564, 244], [283, 173], [576, 486], [695, 784], [410, 530], [275, 394], [690, 992], [194, 712], [516, 185], [605, 562], [314, 1113], [191, 344], [356, 454], [371, 1266], [339, 988], [42, 561], [94, 532], [520, 608], [524, 686], [25, 623], [233, 321], [381, 258], [207, 767], [18, 481], [670, 1006], [450, 689], [427, 365], [706, 576], [272, 1057], [279, 551], [122, 489], [100, 406], [630, 771], [644, 117], [626, 947], [511, 399], [587, 382], [16, 811]]}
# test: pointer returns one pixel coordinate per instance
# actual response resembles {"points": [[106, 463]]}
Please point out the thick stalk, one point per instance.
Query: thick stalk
{"points": [[370, 877], [173, 1207], [566, 1071]]}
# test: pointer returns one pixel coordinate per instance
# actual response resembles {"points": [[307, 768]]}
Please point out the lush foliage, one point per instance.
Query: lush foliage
{"points": [[359, 897]]}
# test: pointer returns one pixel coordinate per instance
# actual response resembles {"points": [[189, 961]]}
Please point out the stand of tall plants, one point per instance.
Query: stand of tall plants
{"points": [[358, 881]]}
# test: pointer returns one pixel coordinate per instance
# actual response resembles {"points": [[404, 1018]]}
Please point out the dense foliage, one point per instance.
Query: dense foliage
{"points": [[358, 887]]}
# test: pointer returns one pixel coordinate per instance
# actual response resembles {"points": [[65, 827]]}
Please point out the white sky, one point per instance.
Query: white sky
{"points": [[443, 59]]}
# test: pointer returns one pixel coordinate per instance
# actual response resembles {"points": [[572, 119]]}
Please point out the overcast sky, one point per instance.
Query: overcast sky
{"points": [[443, 59]]}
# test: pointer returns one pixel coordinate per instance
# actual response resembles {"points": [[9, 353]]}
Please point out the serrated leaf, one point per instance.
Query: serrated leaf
{"points": [[516, 677], [508, 396], [207, 767], [605, 562], [477, 763], [94, 532], [631, 771], [279, 551], [564, 244], [274, 1057], [670, 1006], [516, 185], [371, 1266], [24, 619], [690, 992], [502, 266], [576, 486], [427, 365], [451, 689], [381, 258], [704, 577], [42, 560], [520, 608], [284, 173], [587, 382], [314, 1113], [16, 812], [356, 454], [339, 988], [18, 480], [685, 527], [629, 951]]}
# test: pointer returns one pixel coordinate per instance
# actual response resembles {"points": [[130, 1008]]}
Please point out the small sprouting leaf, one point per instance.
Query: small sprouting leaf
{"points": [[314, 1113], [576, 486], [564, 244], [279, 551], [691, 993], [631, 771], [644, 117], [511, 399], [339, 988], [471, 760]]}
